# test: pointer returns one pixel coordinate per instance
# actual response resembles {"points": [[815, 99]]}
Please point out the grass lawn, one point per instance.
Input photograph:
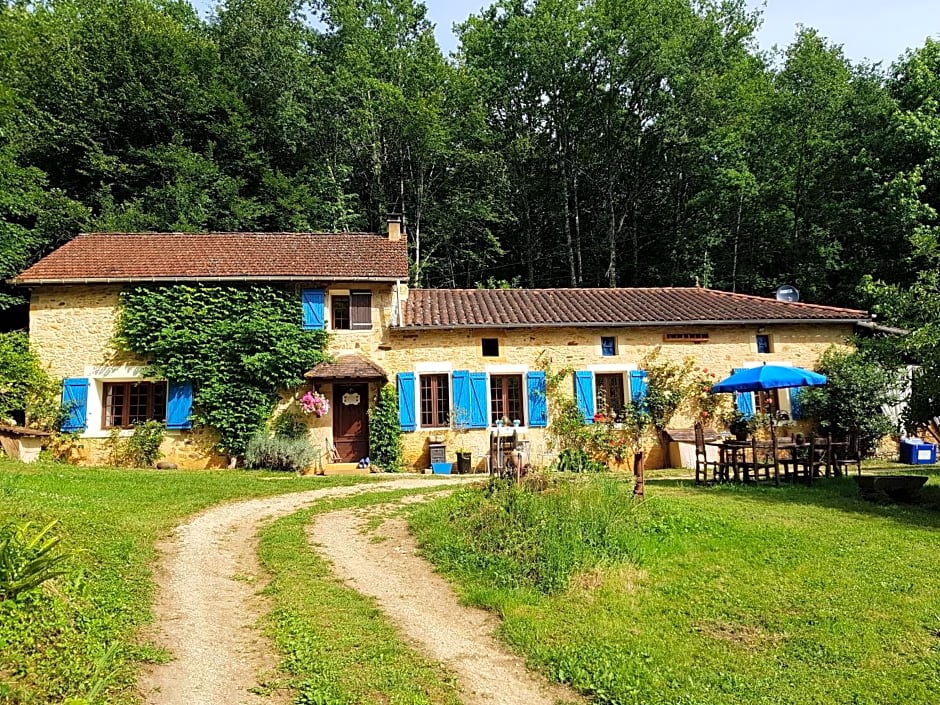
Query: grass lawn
{"points": [[718, 595], [338, 647], [53, 643]]}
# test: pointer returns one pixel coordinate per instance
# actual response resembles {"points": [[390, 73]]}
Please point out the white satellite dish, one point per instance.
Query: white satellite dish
{"points": [[788, 293]]}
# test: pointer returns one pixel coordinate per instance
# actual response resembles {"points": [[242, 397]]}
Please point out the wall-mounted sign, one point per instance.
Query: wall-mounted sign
{"points": [[351, 399]]}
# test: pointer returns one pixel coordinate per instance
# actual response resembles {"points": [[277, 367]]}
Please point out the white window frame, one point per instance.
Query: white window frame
{"points": [[97, 376]]}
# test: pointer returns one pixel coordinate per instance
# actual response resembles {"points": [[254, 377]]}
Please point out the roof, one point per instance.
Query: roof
{"points": [[146, 257], [353, 366], [506, 308]]}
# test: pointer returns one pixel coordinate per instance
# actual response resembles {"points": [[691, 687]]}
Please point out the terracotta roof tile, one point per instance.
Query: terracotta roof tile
{"points": [[479, 308], [347, 367], [173, 256]]}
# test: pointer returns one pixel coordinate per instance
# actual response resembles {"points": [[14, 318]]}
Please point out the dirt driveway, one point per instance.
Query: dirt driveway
{"points": [[207, 605]]}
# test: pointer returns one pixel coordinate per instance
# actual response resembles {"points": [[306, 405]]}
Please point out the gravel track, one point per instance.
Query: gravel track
{"points": [[208, 605]]}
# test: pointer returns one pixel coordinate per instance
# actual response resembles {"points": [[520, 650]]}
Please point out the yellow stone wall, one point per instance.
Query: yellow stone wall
{"points": [[71, 328], [728, 347]]}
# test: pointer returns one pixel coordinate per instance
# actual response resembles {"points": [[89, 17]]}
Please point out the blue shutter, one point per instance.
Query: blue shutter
{"points": [[179, 405], [461, 388], [479, 418], [639, 385], [796, 413], [75, 404], [538, 410], [744, 401], [584, 394], [313, 309], [406, 401]]}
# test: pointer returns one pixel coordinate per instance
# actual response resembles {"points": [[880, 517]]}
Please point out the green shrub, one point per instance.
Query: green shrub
{"points": [[385, 432], [519, 537], [288, 424], [24, 385], [27, 561], [858, 387], [577, 460], [278, 453], [139, 450]]}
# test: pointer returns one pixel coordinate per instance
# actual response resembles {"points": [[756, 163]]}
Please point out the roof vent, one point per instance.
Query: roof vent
{"points": [[787, 293]]}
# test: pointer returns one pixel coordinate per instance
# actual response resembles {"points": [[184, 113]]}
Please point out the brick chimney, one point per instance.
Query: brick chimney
{"points": [[394, 226]]}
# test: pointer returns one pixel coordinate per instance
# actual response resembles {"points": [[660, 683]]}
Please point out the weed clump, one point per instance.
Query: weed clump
{"points": [[535, 537]]}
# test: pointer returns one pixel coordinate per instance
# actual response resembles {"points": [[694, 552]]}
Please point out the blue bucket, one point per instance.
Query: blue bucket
{"points": [[442, 468]]}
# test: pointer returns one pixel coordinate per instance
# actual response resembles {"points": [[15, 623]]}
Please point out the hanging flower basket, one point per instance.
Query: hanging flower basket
{"points": [[315, 403]]}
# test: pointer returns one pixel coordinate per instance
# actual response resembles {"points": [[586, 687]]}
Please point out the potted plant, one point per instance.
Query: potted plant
{"points": [[463, 461], [460, 425], [739, 425]]}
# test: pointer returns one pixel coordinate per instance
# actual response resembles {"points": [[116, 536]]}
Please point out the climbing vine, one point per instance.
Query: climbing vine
{"points": [[237, 345]]}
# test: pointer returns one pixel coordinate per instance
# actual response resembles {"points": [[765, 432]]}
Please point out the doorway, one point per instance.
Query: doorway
{"points": [[351, 421]]}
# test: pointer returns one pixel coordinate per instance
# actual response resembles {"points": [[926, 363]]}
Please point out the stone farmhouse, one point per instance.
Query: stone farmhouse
{"points": [[462, 360]]}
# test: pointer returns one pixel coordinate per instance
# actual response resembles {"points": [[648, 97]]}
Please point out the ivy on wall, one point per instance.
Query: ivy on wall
{"points": [[238, 345]]}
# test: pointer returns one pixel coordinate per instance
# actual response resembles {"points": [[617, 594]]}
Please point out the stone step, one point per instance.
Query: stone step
{"points": [[344, 469]]}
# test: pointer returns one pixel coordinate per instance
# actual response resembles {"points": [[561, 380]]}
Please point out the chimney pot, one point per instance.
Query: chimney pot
{"points": [[394, 226]]}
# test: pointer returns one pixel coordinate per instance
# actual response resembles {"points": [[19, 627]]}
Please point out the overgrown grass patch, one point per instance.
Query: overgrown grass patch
{"points": [[338, 648], [727, 594], [55, 643]]}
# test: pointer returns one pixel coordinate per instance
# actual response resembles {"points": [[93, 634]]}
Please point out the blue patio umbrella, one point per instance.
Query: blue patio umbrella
{"points": [[755, 379]]}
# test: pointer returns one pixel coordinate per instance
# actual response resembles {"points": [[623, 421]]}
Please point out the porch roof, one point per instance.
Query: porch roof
{"points": [[352, 366]]}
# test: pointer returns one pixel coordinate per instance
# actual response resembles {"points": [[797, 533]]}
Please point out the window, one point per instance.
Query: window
{"points": [[506, 398], [352, 312], [608, 346], [435, 400], [763, 344], [767, 402], [129, 403], [609, 394], [490, 347]]}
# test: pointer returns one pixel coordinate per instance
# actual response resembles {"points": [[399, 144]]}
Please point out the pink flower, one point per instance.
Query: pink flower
{"points": [[315, 403]]}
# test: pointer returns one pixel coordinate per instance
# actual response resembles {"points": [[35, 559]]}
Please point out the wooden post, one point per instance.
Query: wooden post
{"points": [[639, 480]]}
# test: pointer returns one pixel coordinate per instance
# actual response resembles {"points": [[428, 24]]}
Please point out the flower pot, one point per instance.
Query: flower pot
{"points": [[463, 463]]}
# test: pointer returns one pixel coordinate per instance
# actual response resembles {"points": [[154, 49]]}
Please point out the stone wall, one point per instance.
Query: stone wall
{"points": [[71, 328], [728, 347]]}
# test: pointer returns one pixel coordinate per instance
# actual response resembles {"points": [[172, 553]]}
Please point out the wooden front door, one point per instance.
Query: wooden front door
{"points": [[351, 421]]}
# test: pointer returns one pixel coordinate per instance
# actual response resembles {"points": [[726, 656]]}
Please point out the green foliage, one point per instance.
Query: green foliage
{"points": [[141, 449], [24, 384], [385, 432], [27, 558], [288, 424], [853, 397], [732, 558], [577, 460], [238, 345], [279, 453], [521, 538], [670, 385], [57, 641]]}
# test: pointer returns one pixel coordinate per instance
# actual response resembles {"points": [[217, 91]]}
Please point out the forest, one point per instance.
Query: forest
{"points": [[565, 142]]}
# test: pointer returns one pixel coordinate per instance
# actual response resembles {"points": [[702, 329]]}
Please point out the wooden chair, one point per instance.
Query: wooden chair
{"points": [[705, 470], [848, 454], [762, 459], [811, 462]]}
